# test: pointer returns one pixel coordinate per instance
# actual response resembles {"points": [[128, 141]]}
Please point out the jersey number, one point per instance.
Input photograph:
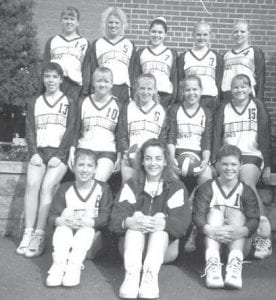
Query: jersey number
{"points": [[63, 108], [112, 113], [252, 113]]}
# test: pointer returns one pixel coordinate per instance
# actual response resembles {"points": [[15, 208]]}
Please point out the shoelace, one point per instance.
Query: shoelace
{"points": [[36, 242], [212, 266], [262, 243], [235, 265]]}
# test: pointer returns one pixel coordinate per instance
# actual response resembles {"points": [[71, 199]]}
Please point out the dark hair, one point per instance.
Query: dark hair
{"points": [[159, 21], [229, 150], [71, 11], [84, 152], [52, 66], [242, 77]]}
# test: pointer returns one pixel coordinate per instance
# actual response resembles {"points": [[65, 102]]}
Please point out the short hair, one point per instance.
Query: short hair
{"points": [[102, 70], [200, 23], [84, 152], [159, 21], [52, 66], [148, 77], [183, 82], [229, 150], [243, 78], [116, 12], [242, 22], [70, 11]]}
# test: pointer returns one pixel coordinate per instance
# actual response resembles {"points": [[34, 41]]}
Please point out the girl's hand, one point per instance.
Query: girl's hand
{"points": [[117, 165], [137, 222], [156, 223], [87, 222], [54, 162], [71, 158], [266, 175], [217, 233], [36, 160]]}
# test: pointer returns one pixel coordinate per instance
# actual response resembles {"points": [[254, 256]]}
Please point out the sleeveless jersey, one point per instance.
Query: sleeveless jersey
{"points": [[160, 66], [204, 68], [233, 199], [50, 121], [116, 57], [69, 55], [238, 63], [142, 125], [98, 125], [190, 129], [240, 128]]}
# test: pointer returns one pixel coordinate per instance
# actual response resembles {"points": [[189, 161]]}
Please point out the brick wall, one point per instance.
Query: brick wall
{"points": [[182, 14]]}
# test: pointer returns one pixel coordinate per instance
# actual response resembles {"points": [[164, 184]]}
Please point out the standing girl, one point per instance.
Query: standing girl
{"points": [[113, 51], [49, 130], [97, 124], [68, 49], [142, 119], [244, 122], [204, 63], [152, 212], [243, 59], [160, 61]]}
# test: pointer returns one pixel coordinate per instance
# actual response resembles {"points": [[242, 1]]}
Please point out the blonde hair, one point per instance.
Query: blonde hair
{"points": [[237, 22], [116, 12], [202, 23], [148, 77]]}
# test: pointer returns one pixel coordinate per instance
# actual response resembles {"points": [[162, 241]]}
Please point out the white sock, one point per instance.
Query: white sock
{"points": [[211, 253], [27, 230], [264, 229], [39, 232], [235, 253]]}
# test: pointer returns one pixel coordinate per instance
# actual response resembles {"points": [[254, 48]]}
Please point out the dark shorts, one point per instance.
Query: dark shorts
{"points": [[106, 154], [179, 151], [165, 99], [122, 92], [46, 153], [210, 102], [71, 89], [251, 159]]}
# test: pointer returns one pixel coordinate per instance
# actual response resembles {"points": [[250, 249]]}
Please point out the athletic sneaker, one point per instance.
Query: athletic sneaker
{"points": [[26, 239], [263, 247], [56, 273], [72, 275], [149, 288], [130, 286], [233, 276], [190, 245], [213, 273], [36, 246]]}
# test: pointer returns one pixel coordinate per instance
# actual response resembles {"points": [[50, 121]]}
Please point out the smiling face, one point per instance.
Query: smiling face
{"points": [[240, 90], [114, 27], [52, 81], [157, 35], [102, 83], [240, 34], [191, 92], [154, 162], [202, 35], [70, 23], [145, 90], [228, 168], [84, 168]]}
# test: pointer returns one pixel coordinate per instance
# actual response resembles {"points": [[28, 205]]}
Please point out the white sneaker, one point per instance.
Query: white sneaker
{"points": [[24, 244], [130, 286], [36, 246], [72, 275], [263, 247], [149, 288], [233, 276], [190, 245], [56, 273], [213, 273]]}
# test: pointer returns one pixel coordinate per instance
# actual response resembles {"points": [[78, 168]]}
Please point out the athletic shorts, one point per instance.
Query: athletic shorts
{"points": [[106, 154], [122, 92], [179, 151], [165, 99], [46, 153], [210, 102], [251, 159]]}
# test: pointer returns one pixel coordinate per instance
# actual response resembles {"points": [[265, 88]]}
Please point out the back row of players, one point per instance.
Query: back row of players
{"points": [[110, 72]]}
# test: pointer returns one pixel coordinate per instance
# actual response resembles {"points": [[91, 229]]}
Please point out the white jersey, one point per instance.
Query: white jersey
{"points": [[233, 199], [98, 125], [69, 55], [190, 129], [116, 57], [50, 121], [241, 128], [144, 125], [159, 65], [238, 63], [204, 68]]}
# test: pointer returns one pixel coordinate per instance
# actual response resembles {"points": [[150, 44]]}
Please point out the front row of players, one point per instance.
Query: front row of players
{"points": [[102, 128]]}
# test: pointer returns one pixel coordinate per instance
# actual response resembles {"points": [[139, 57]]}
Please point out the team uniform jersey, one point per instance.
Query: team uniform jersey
{"points": [[118, 57], [248, 129], [190, 132], [50, 125], [249, 61], [208, 69], [211, 194], [96, 126], [137, 126], [171, 199], [162, 66], [69, 203], [69, 54]]}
